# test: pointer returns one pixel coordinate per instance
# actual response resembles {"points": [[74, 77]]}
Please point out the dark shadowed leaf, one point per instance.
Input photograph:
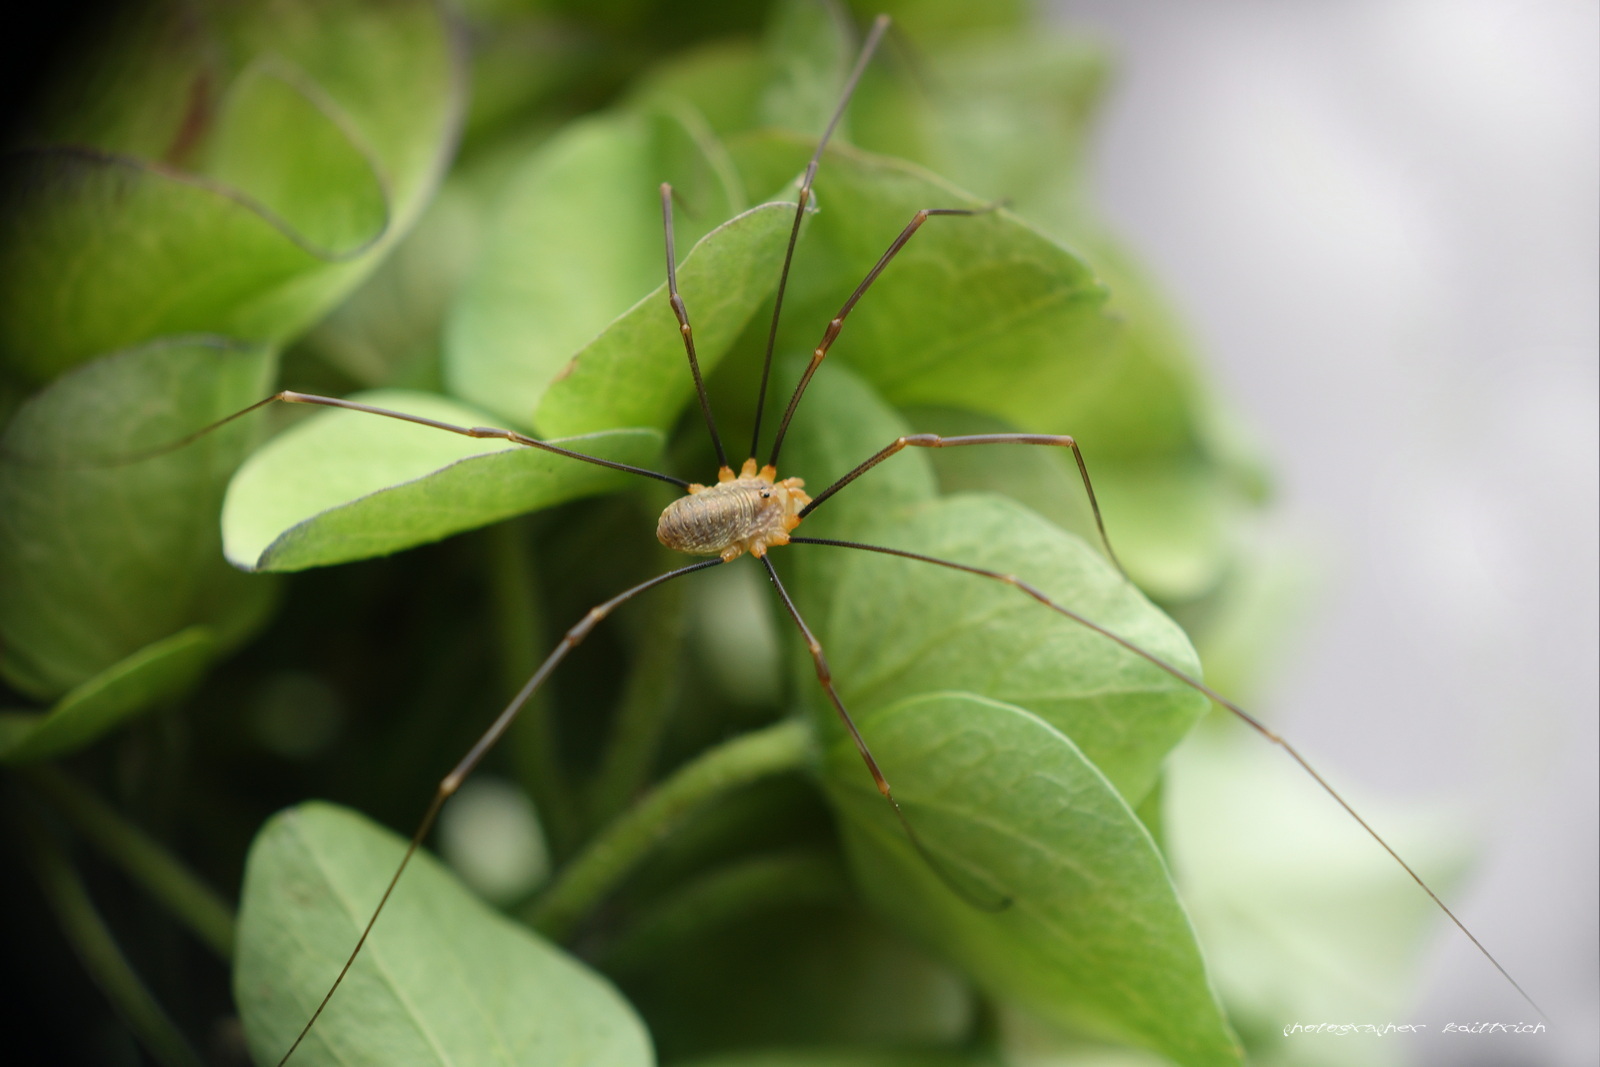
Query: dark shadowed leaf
{"points": [[143, 682], [829, 975], [101, 552], [320, 150]]}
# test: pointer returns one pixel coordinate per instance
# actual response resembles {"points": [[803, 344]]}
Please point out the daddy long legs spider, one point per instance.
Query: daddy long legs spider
{"points": [[991, 904], [755, 508]]}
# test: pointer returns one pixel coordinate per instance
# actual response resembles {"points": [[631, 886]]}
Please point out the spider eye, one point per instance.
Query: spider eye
{"points": [[765, 494]]}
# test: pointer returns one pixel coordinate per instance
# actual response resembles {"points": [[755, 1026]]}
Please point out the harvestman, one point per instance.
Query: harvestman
{"points": [[753, 511]]}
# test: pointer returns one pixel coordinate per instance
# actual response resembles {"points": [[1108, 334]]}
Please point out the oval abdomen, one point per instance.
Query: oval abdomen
{"points": [[706, 523], [747, 514]]}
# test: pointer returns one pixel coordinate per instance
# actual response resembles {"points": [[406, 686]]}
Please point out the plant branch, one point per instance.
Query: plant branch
{"points": [[98, 950], [749, 886], [619, 848], [645, 707], [162, 874], [520, 637]]}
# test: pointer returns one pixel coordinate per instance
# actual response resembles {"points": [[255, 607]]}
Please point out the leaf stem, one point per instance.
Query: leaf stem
{"points": [[163, 875], [520, 639], [645, 707], [749, 886], [634, 834], [98, 950]]}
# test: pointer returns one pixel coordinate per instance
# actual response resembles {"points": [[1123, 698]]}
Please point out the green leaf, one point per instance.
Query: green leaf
{"points": [[151, 677], [1013, 122], [578, 242], [103, 552], [722, 81], [316, 157], [445, 980], [391, 71], [1171, 517], [347, 485], [1173, 521], [900, 627], [635, 373], [1093, 935], [136, 253], [328, 191], [132, 87], [1019, 320], [809, 51], [1045, 478], [935, 20], [841, 422], [897, 628], [1012, 118], [387, 333]]}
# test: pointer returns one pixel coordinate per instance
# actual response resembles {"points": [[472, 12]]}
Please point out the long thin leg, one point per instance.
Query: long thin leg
{"points": [[289, 397], [682, 312], [825, 676], [933, 440], [452, 781], [1194, 683], [879, 26], [821, 351]]}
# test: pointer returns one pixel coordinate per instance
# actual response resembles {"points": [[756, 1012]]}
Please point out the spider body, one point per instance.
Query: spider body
{"points": [[749, 512]]}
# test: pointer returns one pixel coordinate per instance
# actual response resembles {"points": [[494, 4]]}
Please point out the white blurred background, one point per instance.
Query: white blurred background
{"points": [[1379, 218]]}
